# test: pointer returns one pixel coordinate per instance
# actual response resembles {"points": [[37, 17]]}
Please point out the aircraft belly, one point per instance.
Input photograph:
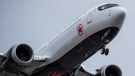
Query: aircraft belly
{"points": [[79, 53], [86, 48]]}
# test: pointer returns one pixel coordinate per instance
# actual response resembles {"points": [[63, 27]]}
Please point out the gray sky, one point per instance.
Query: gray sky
{"points": [[35, 21]]}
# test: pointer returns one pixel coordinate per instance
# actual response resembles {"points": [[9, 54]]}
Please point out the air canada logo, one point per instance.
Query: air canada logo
{"points": [[80, 30]]}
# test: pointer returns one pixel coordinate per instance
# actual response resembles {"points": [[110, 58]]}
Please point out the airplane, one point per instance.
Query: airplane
{"points": [[64, 54]]}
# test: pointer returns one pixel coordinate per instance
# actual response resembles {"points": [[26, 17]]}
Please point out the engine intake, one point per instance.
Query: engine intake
{"points": [[17, 58], [22, 54]]}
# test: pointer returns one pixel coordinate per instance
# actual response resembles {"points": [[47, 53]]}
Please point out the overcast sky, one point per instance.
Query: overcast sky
{"points": [[35, 21]]}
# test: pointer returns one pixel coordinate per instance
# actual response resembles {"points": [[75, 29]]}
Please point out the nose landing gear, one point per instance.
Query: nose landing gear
{"points": [[106, 40], [105, 51]]}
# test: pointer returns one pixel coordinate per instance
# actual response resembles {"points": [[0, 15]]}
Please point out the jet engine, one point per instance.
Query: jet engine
{"points": [[109, 70], [17, 58]]}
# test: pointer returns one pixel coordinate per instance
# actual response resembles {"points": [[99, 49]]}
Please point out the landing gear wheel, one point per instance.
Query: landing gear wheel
{"points": [[102, 51], [106, 51]]}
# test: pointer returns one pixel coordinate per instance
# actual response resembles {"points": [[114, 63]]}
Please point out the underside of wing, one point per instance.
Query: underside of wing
{"points": [[36, 63]]}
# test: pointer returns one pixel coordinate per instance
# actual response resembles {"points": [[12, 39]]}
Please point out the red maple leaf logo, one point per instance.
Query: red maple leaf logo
{"points": [[80, 30]]}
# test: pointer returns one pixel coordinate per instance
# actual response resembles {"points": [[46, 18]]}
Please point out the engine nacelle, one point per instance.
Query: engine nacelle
{"points": [[110, 70], [17, 58]]}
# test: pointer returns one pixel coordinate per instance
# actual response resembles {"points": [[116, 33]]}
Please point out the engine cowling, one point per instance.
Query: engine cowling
{"points": [[17, 58], [110, 70]]}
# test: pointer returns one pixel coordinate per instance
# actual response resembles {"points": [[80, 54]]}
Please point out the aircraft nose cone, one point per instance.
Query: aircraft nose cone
{"points": [[120, 14]]}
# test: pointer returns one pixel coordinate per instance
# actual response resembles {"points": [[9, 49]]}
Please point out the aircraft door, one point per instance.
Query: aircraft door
{"points": [[89, 18]]}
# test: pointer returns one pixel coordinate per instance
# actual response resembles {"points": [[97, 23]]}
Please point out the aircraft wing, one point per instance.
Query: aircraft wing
{"points": [[37, 61]]}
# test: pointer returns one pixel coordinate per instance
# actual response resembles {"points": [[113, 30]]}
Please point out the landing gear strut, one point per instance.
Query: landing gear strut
{"points": [[105, 51]]}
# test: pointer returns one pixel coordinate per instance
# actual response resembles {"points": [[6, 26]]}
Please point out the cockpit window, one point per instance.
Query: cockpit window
{"points": [[107, 6]]}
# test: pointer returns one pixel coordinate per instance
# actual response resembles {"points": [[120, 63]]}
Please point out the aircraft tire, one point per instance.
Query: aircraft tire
{"points": [[103, 51], [106, 51]]}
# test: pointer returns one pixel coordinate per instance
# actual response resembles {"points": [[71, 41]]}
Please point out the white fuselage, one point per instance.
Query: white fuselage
{"points": [[92, 21]]}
